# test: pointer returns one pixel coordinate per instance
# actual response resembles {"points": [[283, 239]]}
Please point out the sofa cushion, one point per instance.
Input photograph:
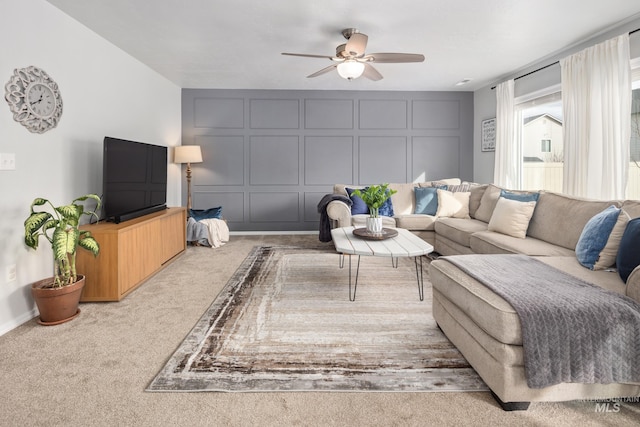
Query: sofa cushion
{"points": [[628, 254], [454, 205], [459, 230], [490, 242], [511, 217], [477, 191], [416, 222], [632, 208], [559, 219], [594, 236], [607, 279], [488, 203], [491, 312]]}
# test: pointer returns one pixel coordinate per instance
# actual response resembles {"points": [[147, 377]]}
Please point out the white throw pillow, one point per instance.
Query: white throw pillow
{"points": [[511, 217], [455, 205]]}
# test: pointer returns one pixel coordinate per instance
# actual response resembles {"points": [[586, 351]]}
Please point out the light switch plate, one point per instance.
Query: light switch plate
{"points": [[7, 161], [11, 273]]}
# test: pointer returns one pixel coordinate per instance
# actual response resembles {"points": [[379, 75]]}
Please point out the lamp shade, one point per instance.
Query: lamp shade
{"points": [[187, 154], [350, 69]]}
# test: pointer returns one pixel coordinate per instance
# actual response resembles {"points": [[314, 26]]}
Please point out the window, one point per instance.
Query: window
{"points": [[546, 146], [542, 162]]}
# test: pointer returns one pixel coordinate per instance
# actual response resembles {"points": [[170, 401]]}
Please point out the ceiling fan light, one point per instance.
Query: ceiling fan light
{"points": [[350, 69]]}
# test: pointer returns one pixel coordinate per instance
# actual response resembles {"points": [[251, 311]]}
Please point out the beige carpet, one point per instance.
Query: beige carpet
{"points": [[93, 371], [284, 323]]}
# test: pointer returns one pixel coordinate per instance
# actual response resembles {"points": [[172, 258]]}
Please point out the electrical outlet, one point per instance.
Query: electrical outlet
{"points": [[7, 161], [11, 273]]}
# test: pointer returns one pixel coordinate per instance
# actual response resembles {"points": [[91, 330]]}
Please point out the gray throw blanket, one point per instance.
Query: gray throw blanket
{"points": [[572, 331], [325, 223], [197, 232]]}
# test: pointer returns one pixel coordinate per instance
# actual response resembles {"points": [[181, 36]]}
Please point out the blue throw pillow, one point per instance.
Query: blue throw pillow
{"points": [[213, 213], [595, 235], [520, 197], [628, 254], [359, 207], [426, 200], [387, 208]]}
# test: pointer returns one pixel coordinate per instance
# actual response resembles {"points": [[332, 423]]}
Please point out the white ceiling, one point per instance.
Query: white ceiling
{"points": [[237, 44]]}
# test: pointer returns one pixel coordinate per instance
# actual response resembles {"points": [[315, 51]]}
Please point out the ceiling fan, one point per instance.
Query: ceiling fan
{"points": [[351, 61]]}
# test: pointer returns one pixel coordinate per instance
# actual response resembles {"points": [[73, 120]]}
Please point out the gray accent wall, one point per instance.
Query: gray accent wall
{"points": [[269, 156]]}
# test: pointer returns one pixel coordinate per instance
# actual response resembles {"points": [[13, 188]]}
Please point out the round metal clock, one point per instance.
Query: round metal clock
{"points": [[34, 99]]}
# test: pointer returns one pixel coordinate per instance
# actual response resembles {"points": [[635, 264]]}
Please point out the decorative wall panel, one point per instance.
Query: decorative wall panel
{"points": [[328, 114], [436, 114], [320, 156], [274, 160], [275, 114], [271, 155], [274, 207], [382, 159], [383, 114], [311, 201], [221, 113], [222, 161], [435, 157]]}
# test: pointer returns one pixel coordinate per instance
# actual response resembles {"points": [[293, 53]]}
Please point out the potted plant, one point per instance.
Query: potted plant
{"points": [[374, 197], [58, 297]]}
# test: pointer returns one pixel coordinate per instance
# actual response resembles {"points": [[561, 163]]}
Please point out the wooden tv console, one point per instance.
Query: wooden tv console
{"points": [[130, 253]]}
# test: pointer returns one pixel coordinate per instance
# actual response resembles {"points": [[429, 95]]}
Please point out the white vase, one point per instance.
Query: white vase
{"points": [[374, 225]]}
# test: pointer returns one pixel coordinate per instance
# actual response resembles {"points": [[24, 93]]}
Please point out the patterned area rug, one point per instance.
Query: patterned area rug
{"points": [[284, 322]]}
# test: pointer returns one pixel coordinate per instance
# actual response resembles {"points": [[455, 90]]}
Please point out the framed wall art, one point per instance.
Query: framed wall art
{"points": [[489, 135]]}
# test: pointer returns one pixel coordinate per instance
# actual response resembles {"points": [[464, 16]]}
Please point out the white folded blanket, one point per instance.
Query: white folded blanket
{"points": [[218, 231]]}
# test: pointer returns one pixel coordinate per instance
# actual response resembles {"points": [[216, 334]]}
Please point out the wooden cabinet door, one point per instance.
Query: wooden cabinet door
{"points": [[140, 254], [174, 238]]}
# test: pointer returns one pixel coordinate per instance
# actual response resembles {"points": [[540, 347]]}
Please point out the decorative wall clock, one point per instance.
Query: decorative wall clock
{"points": [[34, 99]]}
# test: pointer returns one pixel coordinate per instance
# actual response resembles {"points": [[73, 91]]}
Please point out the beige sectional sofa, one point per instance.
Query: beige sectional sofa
{"points": [[483, 325]]}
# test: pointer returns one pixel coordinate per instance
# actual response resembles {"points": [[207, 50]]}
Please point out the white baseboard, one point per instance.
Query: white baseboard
{"points": [[270, 233], [14, 323]]}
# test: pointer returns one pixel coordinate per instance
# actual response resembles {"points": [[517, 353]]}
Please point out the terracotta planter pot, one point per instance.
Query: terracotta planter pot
{"points": [[57, 305]]}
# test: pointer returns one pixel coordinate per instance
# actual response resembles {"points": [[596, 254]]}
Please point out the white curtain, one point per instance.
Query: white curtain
{"points": [[508, 158], [596, 101]]}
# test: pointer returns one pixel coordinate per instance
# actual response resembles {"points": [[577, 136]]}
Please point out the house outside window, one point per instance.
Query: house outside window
{"points": [[633, 186], [542, 162]]}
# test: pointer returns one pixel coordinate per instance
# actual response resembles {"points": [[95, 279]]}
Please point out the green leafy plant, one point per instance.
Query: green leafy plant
{"points": [[374, 197], [61, 228]]}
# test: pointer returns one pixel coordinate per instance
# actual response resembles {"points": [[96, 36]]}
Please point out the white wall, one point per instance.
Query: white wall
{"points": [[105, 92], [485, 98]]}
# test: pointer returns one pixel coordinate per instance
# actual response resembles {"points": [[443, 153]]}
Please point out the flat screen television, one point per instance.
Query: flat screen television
{"points": [[134, 179]]}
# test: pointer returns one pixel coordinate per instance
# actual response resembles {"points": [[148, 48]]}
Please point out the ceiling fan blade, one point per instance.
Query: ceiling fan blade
{"points": [[356, 44], [394, 57], [371, 73], [306, 55], [323, 71]]}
